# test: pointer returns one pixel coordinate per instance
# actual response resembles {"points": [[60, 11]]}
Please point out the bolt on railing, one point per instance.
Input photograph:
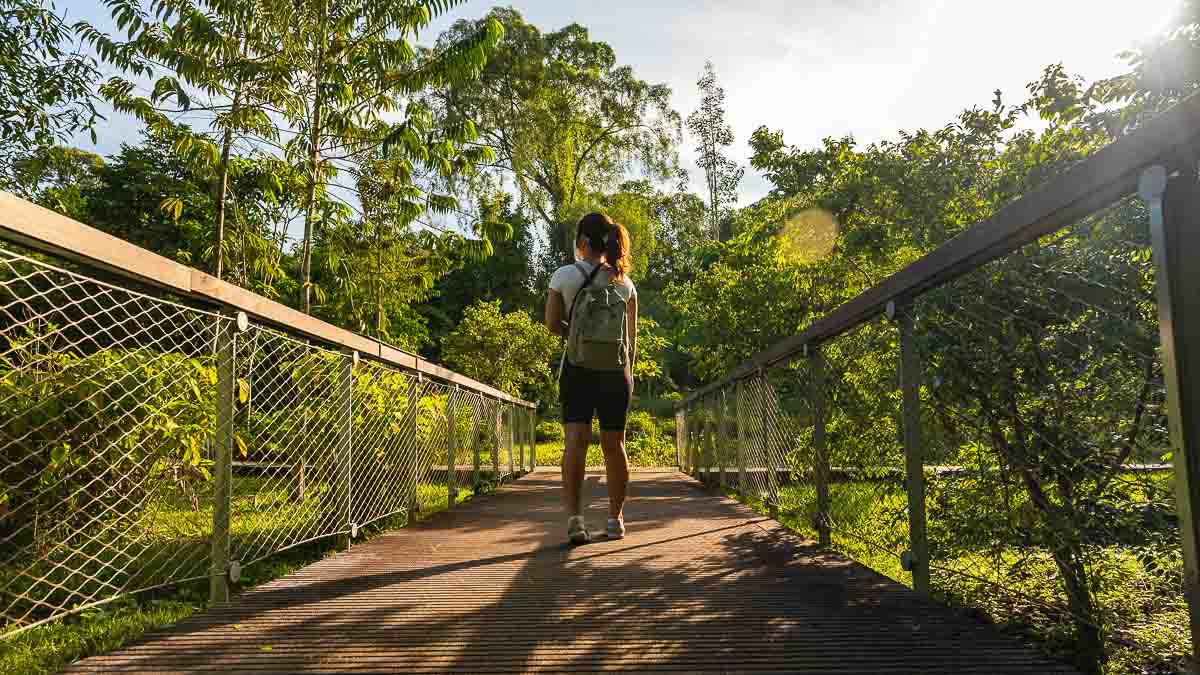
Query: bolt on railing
{"points": [[1012, 422], [168, 428]]}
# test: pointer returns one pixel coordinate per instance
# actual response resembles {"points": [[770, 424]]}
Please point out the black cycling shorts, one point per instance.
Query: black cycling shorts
{"points": [[607, 394]]}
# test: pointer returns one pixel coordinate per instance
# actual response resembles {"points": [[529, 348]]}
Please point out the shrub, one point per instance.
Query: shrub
{"points": [[650, 451], [549, 431], [639, 425], [659, 407], [667, 428]]}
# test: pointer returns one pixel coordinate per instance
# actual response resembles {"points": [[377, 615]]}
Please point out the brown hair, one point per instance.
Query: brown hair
{"points": [[611, 239]]}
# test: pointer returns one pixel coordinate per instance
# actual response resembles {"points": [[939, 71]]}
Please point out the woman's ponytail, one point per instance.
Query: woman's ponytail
{"points": [[611, 239], [617, 252]]}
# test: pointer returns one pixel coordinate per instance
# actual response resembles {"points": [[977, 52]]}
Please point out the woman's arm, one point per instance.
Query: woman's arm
{"points": [[554, 312], [631, 328]]}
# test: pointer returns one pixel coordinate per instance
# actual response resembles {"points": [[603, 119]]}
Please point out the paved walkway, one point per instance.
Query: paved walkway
{"points": [[701, 584]]}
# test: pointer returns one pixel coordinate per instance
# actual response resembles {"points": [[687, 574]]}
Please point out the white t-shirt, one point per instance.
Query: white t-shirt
{"points": [[568, 279]]}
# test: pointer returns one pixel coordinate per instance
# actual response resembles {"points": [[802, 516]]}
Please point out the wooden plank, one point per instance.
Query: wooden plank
{"points": [[700, 584], [1101, 179]]}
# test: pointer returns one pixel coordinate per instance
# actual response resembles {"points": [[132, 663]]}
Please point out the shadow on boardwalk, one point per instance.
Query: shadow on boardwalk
{"points": [[700, 584]]}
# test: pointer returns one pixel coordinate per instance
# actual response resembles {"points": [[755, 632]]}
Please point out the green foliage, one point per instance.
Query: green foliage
{"points": [[505, 276], [550, 431], [156, 419], [508, 351], [47, 92], [563, 117]]}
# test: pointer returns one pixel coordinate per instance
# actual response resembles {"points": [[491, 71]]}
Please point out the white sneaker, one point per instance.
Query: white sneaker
{"points": [[615, 528], [577, 530]]}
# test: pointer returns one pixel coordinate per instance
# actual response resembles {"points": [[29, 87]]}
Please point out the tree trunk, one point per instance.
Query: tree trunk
{"points": [[314, 156], [314, 137], [1090, 656], [223, 178]]}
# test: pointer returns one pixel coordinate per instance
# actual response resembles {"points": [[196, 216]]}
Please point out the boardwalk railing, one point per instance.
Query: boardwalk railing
{"points": [[1041, 353], [159, 426]]}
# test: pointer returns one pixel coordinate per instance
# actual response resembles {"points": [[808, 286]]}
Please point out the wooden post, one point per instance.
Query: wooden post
{"points": [[914, 463], [218, 574], [1174, 207], [345, 423], [741, 440], [451, 460], [820, 458]]}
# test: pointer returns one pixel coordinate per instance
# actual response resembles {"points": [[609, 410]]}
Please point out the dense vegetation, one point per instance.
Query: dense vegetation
{"points": [[423, 195]]}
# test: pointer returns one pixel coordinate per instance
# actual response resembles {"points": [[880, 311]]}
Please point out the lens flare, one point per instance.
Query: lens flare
{"points": [[807, 236]]}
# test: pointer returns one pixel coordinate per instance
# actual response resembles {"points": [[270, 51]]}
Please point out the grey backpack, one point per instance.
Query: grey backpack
{"points": [[598, 337]]}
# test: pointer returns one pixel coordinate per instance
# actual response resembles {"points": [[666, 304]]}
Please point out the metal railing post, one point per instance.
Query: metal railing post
{"points": [[451, 460], [694, 444], [719, 404], [475, 441], [218, 574], [741, 440], [496, 448], [533, 424], [1174, 206], [414, 397], [770, 420], [519, 426], [345, 425], [820, 457], [705, 443], [914, 462], [680, 417], [508, 440]]}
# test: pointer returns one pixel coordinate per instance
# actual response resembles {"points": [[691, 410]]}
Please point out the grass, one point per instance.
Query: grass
{"points": [[51, 647], [652, 454]]}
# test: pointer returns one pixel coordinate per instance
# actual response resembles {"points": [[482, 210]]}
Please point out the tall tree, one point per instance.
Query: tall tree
{"points": [[564, 119], [356, 66], [218, 62], [707, 123], [46, 90]]}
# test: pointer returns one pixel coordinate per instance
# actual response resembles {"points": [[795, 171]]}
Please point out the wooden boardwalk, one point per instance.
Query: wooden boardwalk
{"points": [[701, 584]]}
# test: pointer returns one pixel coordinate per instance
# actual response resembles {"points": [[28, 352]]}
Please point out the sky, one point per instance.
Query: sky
{"points": [[820, 68]]}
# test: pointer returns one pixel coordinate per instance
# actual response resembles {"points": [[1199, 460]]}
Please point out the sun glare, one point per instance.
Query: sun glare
{"points": [[807, 236]]}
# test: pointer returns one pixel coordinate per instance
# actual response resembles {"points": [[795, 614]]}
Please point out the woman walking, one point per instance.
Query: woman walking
{"points": [[594, 305]]}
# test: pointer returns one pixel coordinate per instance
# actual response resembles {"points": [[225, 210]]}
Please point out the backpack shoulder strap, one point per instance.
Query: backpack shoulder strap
{"points": [[586, 282]]}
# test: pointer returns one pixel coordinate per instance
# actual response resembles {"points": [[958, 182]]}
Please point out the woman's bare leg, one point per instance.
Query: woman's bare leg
{"points": [[574, 460], [616, 466]]}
